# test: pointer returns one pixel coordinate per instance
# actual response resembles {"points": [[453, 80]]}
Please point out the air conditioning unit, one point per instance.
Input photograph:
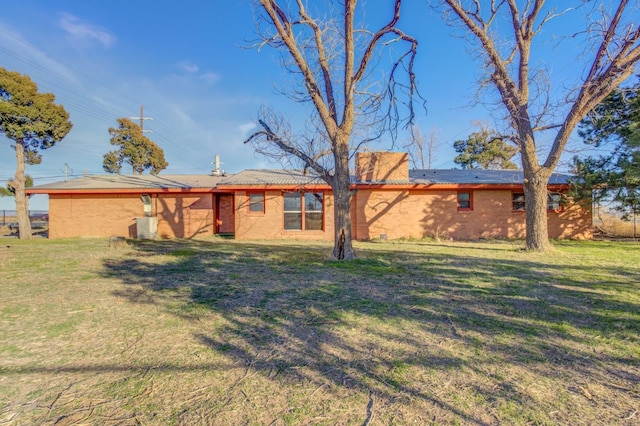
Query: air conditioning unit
{"points": [[147, 228]]}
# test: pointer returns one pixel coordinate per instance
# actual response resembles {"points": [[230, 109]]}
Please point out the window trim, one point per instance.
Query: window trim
{"points": [[250, 204], [302, 211], [470, 201]]}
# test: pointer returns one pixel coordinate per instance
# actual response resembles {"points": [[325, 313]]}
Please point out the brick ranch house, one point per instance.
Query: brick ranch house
{"points": [[389, 201]]}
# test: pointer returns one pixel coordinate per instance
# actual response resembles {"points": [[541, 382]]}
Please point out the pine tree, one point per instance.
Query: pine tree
{"points": [[135, 149], [34, 123]]}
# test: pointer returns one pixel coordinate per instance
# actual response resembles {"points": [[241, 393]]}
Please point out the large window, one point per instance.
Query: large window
{"points": [[256, 202], [553, 201], [465, 201], [303, 211]]}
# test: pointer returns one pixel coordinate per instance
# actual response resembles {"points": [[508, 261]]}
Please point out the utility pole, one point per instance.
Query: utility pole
{"points": [[142, 118]]}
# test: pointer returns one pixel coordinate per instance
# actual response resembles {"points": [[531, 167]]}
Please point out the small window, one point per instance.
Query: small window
{"points": [[146, 202], [465, 201], [256, 202], [518, 201], [553, 201]]}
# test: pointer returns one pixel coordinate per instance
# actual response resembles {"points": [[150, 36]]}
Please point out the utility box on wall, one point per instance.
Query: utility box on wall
{"points": [[147, 228]]}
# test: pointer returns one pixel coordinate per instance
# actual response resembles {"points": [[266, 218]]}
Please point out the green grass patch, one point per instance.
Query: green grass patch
{"points": [[227, 332]]}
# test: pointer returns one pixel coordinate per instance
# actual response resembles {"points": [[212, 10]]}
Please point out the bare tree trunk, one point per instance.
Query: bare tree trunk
{"points": [[22, 208], [343, 243], [535, 196], [341, 186]]}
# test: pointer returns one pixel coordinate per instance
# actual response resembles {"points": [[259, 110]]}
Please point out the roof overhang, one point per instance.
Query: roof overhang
{"points": [[267, 187], [451, 186], [95, 191]]}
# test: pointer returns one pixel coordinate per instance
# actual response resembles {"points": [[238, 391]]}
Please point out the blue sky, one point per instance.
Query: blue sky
{"points": [[186, 62]]}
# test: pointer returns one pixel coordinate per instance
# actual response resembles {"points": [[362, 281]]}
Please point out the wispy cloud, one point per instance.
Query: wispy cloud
{"points": [[29, 58], [189, 67], [82, 33], [210, 77], [246, 127]]}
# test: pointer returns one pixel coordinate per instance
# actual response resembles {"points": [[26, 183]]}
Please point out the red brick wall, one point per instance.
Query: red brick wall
{"points": [[270, 224], [421, 213], [183, 215], [200, 220], [395, 213], [574, 221], [93, 215], [381, 166], [104, 215]]}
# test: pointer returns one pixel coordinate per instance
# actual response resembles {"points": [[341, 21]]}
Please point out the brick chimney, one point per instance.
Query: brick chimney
{"points": [[382, 166]]}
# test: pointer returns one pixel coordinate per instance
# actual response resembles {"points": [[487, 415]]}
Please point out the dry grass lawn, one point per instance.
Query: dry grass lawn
{"points": [[224, 332]]}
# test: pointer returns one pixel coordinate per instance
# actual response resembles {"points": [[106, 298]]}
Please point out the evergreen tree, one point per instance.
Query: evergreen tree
{"points": [[34, 123], [135, 149], [486, 150], [615, 176]]}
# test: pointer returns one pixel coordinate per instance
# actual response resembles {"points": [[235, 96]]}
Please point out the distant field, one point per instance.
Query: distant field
{"points": [[9, 222], [8, 216], [225, 332], [613, 226]]}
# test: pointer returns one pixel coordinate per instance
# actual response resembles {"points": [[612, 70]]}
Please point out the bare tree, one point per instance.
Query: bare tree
{"points": [[337, 66], [422, 148], [432, 142], [613, 44], [416, 148]]}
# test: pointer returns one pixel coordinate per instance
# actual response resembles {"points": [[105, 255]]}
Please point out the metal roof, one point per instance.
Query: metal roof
{"points": [[279, 177], [482, 177], [142, 182], [275, 177]]}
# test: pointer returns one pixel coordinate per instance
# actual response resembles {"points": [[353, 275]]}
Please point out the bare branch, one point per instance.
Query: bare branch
{"points": [[284, 29], [390, 27], [601, 53], [288, 147], [609, 69], [322, 59]]}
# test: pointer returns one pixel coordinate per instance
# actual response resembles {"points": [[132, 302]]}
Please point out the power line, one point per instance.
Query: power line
{"points": [[67, 91]]}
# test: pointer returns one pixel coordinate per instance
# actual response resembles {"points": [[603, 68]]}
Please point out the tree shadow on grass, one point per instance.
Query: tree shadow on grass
{"points": [[395, 320]]}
